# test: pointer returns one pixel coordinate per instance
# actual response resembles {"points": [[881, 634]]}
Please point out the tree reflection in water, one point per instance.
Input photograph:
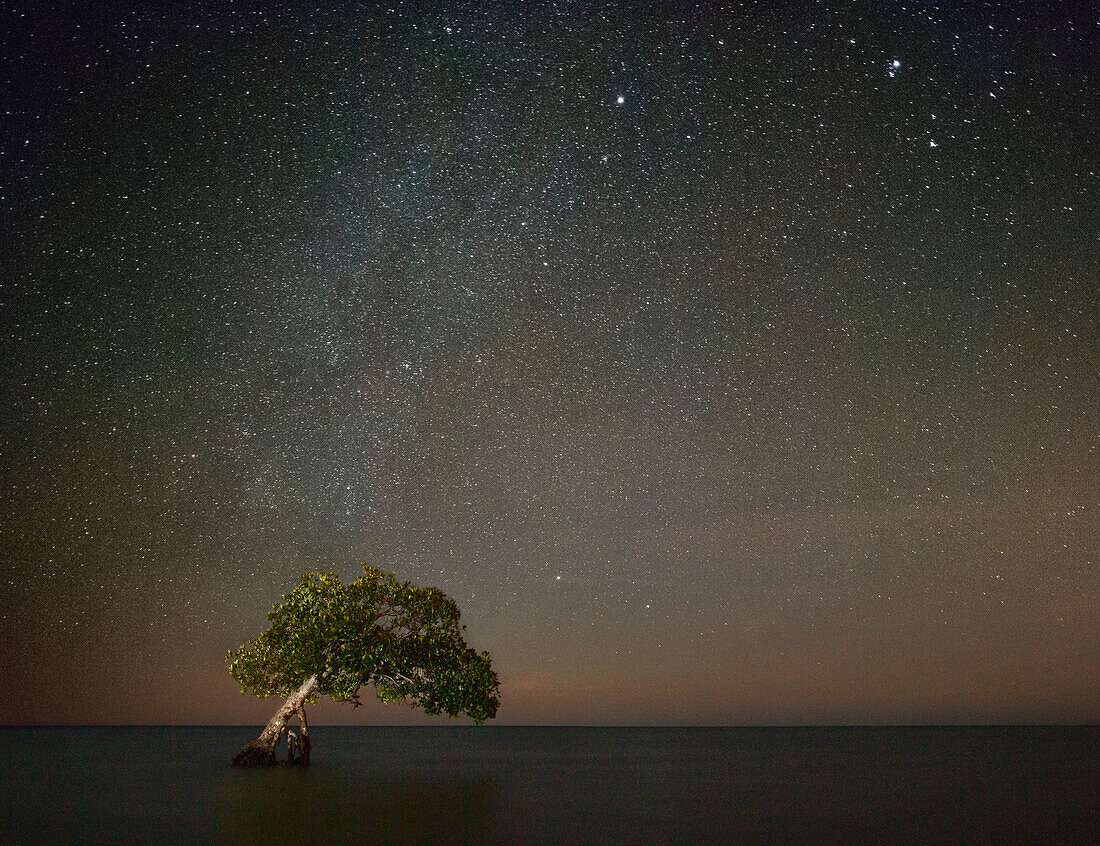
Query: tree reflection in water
{"points": [[292, 805]]}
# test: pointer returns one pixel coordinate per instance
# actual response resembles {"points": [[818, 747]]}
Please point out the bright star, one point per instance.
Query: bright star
{"points": [[620, 99]]}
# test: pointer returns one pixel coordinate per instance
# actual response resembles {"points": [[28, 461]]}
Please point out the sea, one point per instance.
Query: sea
{"points": [[584, 785]]}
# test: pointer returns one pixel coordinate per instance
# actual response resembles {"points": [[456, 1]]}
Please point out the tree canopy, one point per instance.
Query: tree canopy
{"points": [[404, 640]]}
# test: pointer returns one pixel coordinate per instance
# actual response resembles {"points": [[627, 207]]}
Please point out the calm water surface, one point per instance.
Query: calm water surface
{"points": [[556, 785]]}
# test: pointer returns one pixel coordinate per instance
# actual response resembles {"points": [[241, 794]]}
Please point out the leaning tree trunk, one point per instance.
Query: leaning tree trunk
{"points": [[303, 740], [261, 751]]}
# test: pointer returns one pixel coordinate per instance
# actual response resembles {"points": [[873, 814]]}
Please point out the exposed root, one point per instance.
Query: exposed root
{"points": [[255, 754]]}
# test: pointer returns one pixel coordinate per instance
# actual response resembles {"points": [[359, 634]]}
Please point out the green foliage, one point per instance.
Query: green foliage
{"points": [[403, 639]]}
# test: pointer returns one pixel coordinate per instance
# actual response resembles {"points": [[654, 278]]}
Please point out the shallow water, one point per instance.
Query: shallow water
{"points": [[556, 785]]}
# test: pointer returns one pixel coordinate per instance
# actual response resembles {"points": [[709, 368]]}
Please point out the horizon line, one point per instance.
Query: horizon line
{"points": [[914, 725]]}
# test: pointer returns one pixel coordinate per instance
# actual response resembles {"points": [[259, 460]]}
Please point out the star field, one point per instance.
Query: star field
{"points": [[724, 363]]}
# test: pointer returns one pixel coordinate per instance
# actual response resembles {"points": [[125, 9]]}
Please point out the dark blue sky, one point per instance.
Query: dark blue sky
{"points": [[726, 364]]}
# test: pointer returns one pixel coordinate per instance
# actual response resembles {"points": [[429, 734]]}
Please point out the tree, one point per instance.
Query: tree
{"points": [[331, 639]]}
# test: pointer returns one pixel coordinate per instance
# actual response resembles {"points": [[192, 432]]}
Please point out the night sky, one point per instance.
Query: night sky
{"points": [[725, 364]]}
